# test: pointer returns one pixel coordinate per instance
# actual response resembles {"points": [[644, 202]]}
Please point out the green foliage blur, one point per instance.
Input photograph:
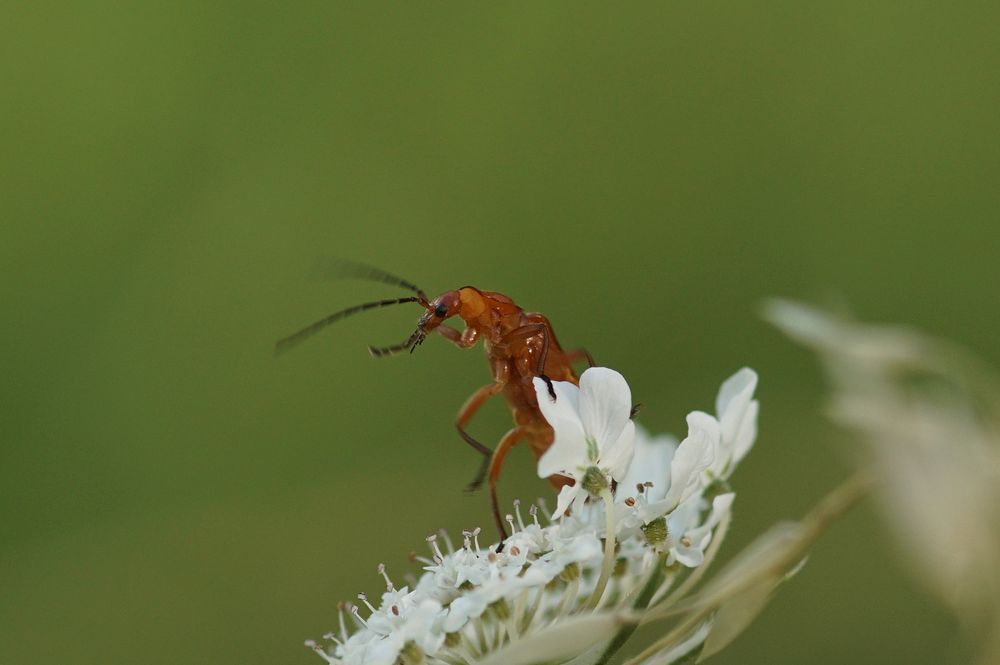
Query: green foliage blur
{"points": [[644, 174]]}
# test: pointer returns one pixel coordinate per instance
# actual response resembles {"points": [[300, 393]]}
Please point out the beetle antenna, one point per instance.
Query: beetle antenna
{"points": [[333, 267], [293, 340], [411, 343]]}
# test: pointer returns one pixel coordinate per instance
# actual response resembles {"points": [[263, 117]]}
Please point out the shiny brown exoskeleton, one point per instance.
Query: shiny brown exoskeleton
{"points": [[520, 346]]}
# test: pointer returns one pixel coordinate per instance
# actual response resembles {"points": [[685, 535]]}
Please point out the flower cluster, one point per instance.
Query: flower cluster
{"points": [[626, 541]]}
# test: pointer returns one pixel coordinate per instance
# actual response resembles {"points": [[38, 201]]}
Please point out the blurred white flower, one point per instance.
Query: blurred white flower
{"points": [[927, 414]]}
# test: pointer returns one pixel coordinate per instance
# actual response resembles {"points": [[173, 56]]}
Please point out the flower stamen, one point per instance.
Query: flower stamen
{"points": [[388, 583], [321, 652], [364, 599], [517, 511], [435, 550], [357, 616], [343, 626]]}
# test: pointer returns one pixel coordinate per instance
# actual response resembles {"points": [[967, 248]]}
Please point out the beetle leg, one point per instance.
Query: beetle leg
{"points": [[496, 461], [477, 481], [548, 384], [462, 340], [530, 330], [501, 372]]}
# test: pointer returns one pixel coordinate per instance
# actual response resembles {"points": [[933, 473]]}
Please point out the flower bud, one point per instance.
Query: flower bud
{"points": [[656, 531], [594, 481], [570, 572], [500, 609], [412, 654]]}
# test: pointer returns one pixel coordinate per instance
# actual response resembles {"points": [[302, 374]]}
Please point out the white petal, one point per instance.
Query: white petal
{"points": [[616, 457], [605, 404], [568, 451], [650, 463], [747, 433], [687, 515], [566, 456], [564, 410], [384, 651], [567, 495], [698, 538], [732, 404], [721, 505], [695, 454], [736, 391], [692, 557]]}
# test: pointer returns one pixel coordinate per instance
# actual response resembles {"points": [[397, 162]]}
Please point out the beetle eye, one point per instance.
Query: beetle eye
{"points": [[440, 311]]}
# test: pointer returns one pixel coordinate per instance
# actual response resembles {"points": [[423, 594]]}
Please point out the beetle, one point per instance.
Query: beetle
{"points": [[520, 346]]}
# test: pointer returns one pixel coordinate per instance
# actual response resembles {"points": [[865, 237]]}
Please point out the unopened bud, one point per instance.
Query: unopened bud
{"points": [[500, 609], [412, 654], [656, 531], [594, 481], [570, 572]]}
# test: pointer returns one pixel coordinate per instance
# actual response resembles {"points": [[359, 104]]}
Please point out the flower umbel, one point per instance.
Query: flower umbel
{"points": [[627, 543]]}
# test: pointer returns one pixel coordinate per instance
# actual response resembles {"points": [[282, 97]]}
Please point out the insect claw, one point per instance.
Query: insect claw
{"points": [[477, 482], [548, 384]]}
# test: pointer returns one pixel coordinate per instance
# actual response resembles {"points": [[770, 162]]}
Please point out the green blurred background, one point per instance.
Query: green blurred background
{"points": [[642, 173]]}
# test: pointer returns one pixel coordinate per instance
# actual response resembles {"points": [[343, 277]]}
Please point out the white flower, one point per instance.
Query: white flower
{"points": [[592, 429], [692, 534], [419, 626], [714, 446], [647, 479], [695, 454], [584, 581]]}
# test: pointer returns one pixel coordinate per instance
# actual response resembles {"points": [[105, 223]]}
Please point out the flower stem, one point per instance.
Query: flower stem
{"points": [[609, 549], [641, 603]]}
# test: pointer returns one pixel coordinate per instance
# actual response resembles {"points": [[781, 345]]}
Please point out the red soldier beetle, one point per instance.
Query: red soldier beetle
{"points": [[519, 347]]}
